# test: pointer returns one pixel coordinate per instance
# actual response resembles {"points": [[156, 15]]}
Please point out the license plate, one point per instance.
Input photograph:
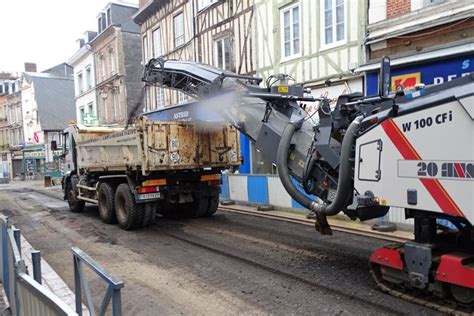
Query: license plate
{"points": [[149, 196]]}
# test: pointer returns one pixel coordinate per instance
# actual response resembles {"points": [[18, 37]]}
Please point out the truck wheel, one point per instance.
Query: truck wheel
{"points": [[106, 203], [213, 205], [129, 214], [149, 214], [75, 205], [199, 207]]}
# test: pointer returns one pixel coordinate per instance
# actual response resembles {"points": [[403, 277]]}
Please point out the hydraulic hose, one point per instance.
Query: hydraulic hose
{"points": [[344, 188]]}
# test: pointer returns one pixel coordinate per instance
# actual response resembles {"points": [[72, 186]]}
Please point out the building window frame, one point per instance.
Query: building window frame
{"points": [[156, 42], [178, 30], [145, 49], [334, 23], [80, 83], [88, 77], [295, 51], [113, 71], [226, 61]]}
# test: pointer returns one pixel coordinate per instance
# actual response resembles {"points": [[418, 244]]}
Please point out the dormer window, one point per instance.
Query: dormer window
{"points": [[108, 18]]}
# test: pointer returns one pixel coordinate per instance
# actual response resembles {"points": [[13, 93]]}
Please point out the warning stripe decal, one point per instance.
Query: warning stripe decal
{"points": [[434, 187]]}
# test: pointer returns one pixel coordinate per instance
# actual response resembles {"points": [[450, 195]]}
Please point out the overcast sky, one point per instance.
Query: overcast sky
{"points": [[44, 31]]}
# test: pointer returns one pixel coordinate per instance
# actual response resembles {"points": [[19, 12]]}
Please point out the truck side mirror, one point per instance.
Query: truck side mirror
{"points": [[54, 145], [384, 77]]}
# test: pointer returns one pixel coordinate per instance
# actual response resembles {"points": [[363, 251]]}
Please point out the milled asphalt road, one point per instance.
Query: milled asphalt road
{"points": [[227, 264]]}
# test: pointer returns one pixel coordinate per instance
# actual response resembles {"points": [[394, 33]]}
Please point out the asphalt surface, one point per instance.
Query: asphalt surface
{"points": [[227, 264]]}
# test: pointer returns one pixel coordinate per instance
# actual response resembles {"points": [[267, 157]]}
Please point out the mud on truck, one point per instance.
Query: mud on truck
{"points": [[166, 167]]}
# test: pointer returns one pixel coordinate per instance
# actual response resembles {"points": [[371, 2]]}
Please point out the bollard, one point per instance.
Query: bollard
{"points": [[36, 260]]}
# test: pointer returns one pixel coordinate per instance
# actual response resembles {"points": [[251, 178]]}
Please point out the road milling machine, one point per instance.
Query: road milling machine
{"points": [[407, 149]]}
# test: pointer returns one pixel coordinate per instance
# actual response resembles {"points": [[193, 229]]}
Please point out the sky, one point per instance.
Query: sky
{"points": [[44, 31]]}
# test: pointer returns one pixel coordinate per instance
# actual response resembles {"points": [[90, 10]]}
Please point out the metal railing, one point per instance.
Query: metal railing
{"points": [[23, 294], [81, 284]]}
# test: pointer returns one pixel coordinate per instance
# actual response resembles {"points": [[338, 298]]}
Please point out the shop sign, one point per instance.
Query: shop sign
{"points": [[429, 73], [34, 154]]}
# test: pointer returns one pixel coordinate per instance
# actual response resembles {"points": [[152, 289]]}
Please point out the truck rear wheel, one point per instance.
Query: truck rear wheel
{"points": [[106, 203], [213, 205], [149, 214], [75, 205], [129, 213]]}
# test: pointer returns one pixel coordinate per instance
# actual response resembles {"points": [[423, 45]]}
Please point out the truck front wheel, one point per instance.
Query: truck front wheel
{"points": [[75, 205], [129, 213], [106, 203]]}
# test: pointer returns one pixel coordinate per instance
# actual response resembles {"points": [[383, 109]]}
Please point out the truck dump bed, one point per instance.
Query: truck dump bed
{"points": [[160, 145]]}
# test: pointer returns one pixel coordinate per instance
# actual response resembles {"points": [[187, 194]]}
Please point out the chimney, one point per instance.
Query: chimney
{"points": [[30, 67]]}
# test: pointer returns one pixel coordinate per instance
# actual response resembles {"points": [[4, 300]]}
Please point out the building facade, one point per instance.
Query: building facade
{"points": [[117, 64], [9, 85], [47, 108], [167, 30], [318, 43], [429, 41], [84, 82]]}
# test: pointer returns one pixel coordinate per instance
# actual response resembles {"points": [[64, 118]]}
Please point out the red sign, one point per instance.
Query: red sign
{"points": [[36, 137]]}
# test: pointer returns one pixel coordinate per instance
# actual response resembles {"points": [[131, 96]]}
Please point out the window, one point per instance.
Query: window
{"points": [[182, 97], [290, 33], [108, 17], [160, 97], [112, 61], [88, 77], [145, 50], [178, 30], [334, 23], [222, 53], [202, 4], [99, 24], [81, 115], [156, 35], [104, 21], [80, 86], [102, 64]]}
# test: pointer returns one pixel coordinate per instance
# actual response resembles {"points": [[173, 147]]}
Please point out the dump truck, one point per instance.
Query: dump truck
{"points": [[168, 167]]}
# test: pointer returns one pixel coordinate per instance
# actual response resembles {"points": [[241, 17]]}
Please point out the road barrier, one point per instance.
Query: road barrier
{"points": [[23, 294], [81, 284], [268, 190]]}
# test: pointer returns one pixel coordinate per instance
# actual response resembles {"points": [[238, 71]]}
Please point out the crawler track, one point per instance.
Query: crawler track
{"points": [[446, 306]]}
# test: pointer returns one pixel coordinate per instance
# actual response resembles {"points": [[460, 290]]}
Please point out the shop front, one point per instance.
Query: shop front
{"points": [[33, 162], [428, 72]]}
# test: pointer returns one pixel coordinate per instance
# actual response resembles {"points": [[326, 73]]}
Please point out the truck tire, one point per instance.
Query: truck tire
{"points": [[75, 205], [149, 214], [106, 201], [212, 206], [199, 207], [129, 214]]}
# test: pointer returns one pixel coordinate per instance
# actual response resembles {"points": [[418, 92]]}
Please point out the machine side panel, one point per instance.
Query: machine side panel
{"points": [[427, 161]]}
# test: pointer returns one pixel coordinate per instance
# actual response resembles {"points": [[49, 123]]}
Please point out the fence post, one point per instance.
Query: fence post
{"points": [[116, 303], [5, 261], [36, 260], [77, 286]]}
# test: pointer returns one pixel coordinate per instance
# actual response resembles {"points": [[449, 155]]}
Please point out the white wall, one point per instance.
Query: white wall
{"points": [[29, 109], [88, 95]]}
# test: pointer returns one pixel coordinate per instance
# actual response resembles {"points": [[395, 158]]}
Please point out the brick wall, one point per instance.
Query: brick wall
{"points": [[397, 7]]}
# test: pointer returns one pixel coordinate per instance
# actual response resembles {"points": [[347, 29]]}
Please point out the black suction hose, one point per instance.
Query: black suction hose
{"points": [[344, 188]]}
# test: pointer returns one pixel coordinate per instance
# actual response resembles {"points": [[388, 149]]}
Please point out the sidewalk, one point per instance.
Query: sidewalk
{"points": [[336, 221]]}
